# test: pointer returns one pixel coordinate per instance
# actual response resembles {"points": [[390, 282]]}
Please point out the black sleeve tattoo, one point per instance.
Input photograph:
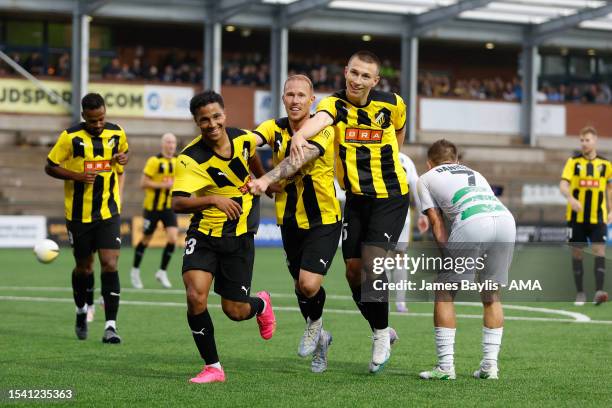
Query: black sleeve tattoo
{"points": [[287, 169]]}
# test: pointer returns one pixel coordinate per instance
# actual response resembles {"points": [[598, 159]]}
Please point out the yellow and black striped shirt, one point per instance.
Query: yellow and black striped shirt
{"points": [[309, 196], [588, 182], [159, 169], [202, 172], [367, 144], [78, 151]]}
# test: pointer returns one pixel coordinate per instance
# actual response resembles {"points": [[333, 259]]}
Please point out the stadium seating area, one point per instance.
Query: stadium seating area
{"points": [[252, 69]]}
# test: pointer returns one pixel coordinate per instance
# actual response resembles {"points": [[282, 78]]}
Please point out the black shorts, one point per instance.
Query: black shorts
{"points": [[228, 259], [87, 237], [151, 218], [373, 221], [310, 249], [578, 233]]}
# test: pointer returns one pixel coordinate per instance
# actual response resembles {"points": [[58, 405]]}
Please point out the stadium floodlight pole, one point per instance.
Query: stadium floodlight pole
{"points": [[408, 77], [414, 26], [279, 51], [529, 75], [80, 51], [285, 16], [212, 48], [216, 13]]}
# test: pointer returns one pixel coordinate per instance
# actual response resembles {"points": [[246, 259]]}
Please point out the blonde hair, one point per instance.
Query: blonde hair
{"points": [[299, 77]]}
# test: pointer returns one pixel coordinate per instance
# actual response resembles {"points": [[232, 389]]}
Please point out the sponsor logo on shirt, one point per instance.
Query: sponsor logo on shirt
{"points": [[355, 135]]}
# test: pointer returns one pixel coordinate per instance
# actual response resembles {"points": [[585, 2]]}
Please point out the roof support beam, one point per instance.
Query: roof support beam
{"points": [[541, 32], [300, 9], [428, 20], [227, 8], [279, 56], [408, 81]]}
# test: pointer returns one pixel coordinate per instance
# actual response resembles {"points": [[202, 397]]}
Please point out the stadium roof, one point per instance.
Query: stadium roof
{"points": [[506, 11], [590, 14]]}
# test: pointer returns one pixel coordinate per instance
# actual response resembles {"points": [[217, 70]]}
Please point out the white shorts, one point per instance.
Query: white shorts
{"points": [[490, 238]]}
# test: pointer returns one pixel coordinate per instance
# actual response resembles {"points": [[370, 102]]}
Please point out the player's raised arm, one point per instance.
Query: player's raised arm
{"points": [[310, 128], [284, 169]]}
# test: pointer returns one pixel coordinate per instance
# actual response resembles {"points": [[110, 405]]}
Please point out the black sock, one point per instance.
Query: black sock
{"points": [[111, 291], [379, 309], [362, 306], [138, 254], [578, 273], [203, 333], [316, 304], [600, 271], [303, 303], [257, 306], [90, 289], [79, 289], [166, 255]]}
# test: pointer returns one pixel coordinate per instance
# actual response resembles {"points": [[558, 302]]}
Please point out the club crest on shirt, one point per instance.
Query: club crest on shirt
{"points": [[245, 154], [111, 143]]}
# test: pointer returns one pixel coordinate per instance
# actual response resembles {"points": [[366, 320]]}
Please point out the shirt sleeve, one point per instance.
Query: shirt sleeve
{"points": [[151, 167], [398, 116], [189, 177], [123, 143], [427, 200], [328, 105], [609, 172], [266, 131], [413, 180], [568, 171], [61, 151], [323, 140], [255, 140]]}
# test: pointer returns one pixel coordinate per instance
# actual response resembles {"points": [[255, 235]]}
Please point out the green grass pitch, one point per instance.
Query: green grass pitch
{"points": [[545, 362]]}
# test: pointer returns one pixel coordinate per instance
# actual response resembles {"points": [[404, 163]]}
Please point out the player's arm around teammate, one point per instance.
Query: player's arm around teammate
{"points": [[306, 209]]}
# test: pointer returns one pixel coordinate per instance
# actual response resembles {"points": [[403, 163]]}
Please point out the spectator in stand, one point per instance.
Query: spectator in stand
{"points": [[604, 95], [112, 70], [63, 66], [35, 64], [553, 95], [168, 74], [509, 94]]}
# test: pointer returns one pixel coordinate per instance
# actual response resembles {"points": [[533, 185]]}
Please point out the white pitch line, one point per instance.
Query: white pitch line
{"points": [[579, 317], [295, 309]]}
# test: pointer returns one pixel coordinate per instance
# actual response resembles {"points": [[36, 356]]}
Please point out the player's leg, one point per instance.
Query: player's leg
{"points": [[577, 240], [233, 284], [492, 332], [499, 258], [598, 237], [401, 274], [356, 210], [108, 243], [149, 223], [81, 239], [197, 286], [445, 326], [169, 220], [381, 236]]}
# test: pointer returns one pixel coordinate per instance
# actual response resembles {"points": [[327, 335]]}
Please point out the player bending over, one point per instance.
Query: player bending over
{"points": [[306, 210], [157, 180], [480, 226], [211, 183]]}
